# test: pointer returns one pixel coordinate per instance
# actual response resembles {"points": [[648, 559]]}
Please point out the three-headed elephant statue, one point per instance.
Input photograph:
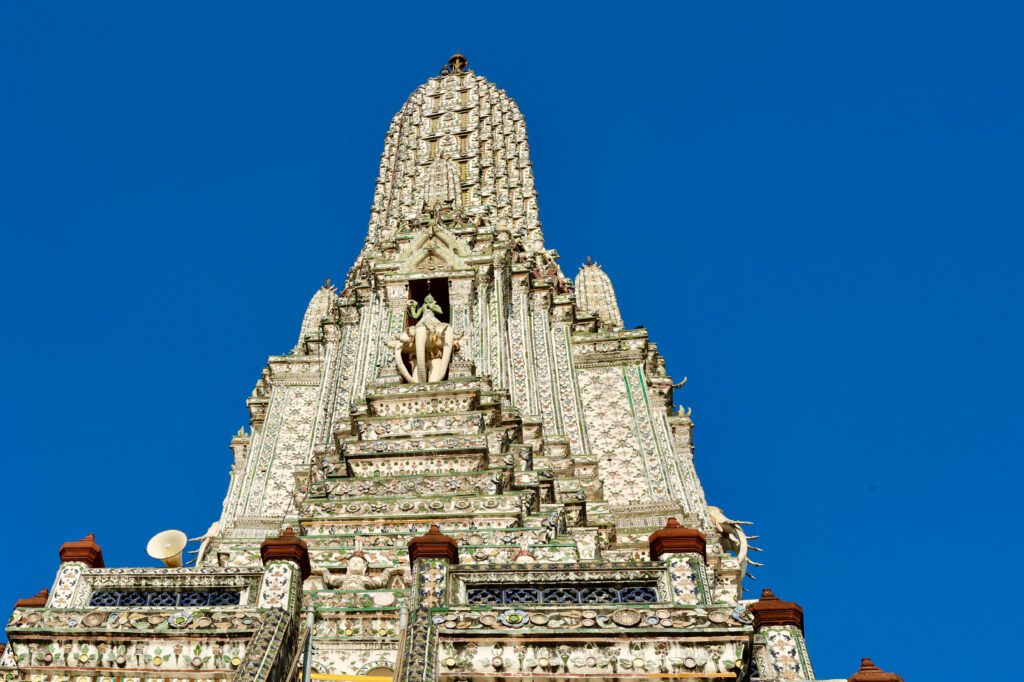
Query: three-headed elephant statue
{"points": [[428, 345]]}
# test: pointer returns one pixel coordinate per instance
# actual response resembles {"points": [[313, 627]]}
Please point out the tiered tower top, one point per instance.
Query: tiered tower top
{"points": [[459, 139]]}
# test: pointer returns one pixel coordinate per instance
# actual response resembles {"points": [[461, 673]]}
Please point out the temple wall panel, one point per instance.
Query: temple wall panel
{"points": [[608, 414], [284, 448], [655, 457]]}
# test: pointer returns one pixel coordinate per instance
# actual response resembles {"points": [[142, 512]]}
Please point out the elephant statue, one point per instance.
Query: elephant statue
{"points": [[429, 344], [733, 538]]}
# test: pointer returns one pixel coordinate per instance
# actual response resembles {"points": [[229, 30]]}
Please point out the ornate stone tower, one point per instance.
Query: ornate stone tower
{"points": [[464, 470]]}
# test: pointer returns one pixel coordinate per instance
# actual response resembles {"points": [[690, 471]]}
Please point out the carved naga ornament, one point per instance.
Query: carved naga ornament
{"points": [[428, 344]]}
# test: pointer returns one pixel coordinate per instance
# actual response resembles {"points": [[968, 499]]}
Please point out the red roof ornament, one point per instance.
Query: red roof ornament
{"points": [[675, 538], [288, 546], [85, 551], [869, 672], [770, 610], [434, 545]]}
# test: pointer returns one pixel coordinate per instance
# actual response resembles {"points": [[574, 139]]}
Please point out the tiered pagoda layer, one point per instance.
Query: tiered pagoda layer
{"points": [[466, 469]]}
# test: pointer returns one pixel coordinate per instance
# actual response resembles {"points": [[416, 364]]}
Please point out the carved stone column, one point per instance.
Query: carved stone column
{"points": [[286, 562], [487, 352], [684, 553], [460, 290], [430, 555]]}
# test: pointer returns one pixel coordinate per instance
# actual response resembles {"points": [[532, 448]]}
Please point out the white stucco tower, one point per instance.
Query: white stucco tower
{"points": [[465, 469]]}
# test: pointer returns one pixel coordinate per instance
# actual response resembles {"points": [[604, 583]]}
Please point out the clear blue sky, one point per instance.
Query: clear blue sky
{"points": [[815, 208]]}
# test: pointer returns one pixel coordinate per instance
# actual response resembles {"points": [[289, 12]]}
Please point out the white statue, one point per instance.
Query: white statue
{"points": [[429, 344], [204, 542], [356, 577], [734, 538]]}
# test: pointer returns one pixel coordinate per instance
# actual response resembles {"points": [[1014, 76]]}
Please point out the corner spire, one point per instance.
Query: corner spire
{"points": [[595, 294]]}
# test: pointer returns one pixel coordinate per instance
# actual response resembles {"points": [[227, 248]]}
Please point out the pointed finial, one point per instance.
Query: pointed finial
{"points": [[456, 64], [869, 672]]}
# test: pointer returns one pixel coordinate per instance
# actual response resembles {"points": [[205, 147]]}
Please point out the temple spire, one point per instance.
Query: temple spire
{"points": [[461, 139], [594, 293]]}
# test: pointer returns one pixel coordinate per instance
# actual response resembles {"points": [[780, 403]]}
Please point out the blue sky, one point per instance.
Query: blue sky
{"points": [[815, 208]]}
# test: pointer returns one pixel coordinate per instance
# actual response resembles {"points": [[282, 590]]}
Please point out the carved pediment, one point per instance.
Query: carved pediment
{"points": [[432, 262], [438, 250]]}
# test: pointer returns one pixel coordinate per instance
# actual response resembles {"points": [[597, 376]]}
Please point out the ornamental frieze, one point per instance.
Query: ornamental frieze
{"points": [[479, 482], [172, 657], [373, 428], [150, 620], [519, 501], [595, 618], [629, 657], [417, 445]]}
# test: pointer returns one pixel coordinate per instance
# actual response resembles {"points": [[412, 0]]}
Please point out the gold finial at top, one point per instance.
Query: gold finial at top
{"points": [[456, 64]]}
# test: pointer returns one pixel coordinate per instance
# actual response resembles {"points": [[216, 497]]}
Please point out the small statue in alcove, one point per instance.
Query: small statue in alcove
{"points": [[429, 344]]}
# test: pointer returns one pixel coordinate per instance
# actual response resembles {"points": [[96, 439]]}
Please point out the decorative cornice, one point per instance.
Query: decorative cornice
{"points": [[677, 539], [85, 551], [869, 672], [287, 547], [770, 610], [434, 545]]}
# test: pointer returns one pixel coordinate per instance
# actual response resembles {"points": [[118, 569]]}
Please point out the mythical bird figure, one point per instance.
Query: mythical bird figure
{"points": [[429, 344]]}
